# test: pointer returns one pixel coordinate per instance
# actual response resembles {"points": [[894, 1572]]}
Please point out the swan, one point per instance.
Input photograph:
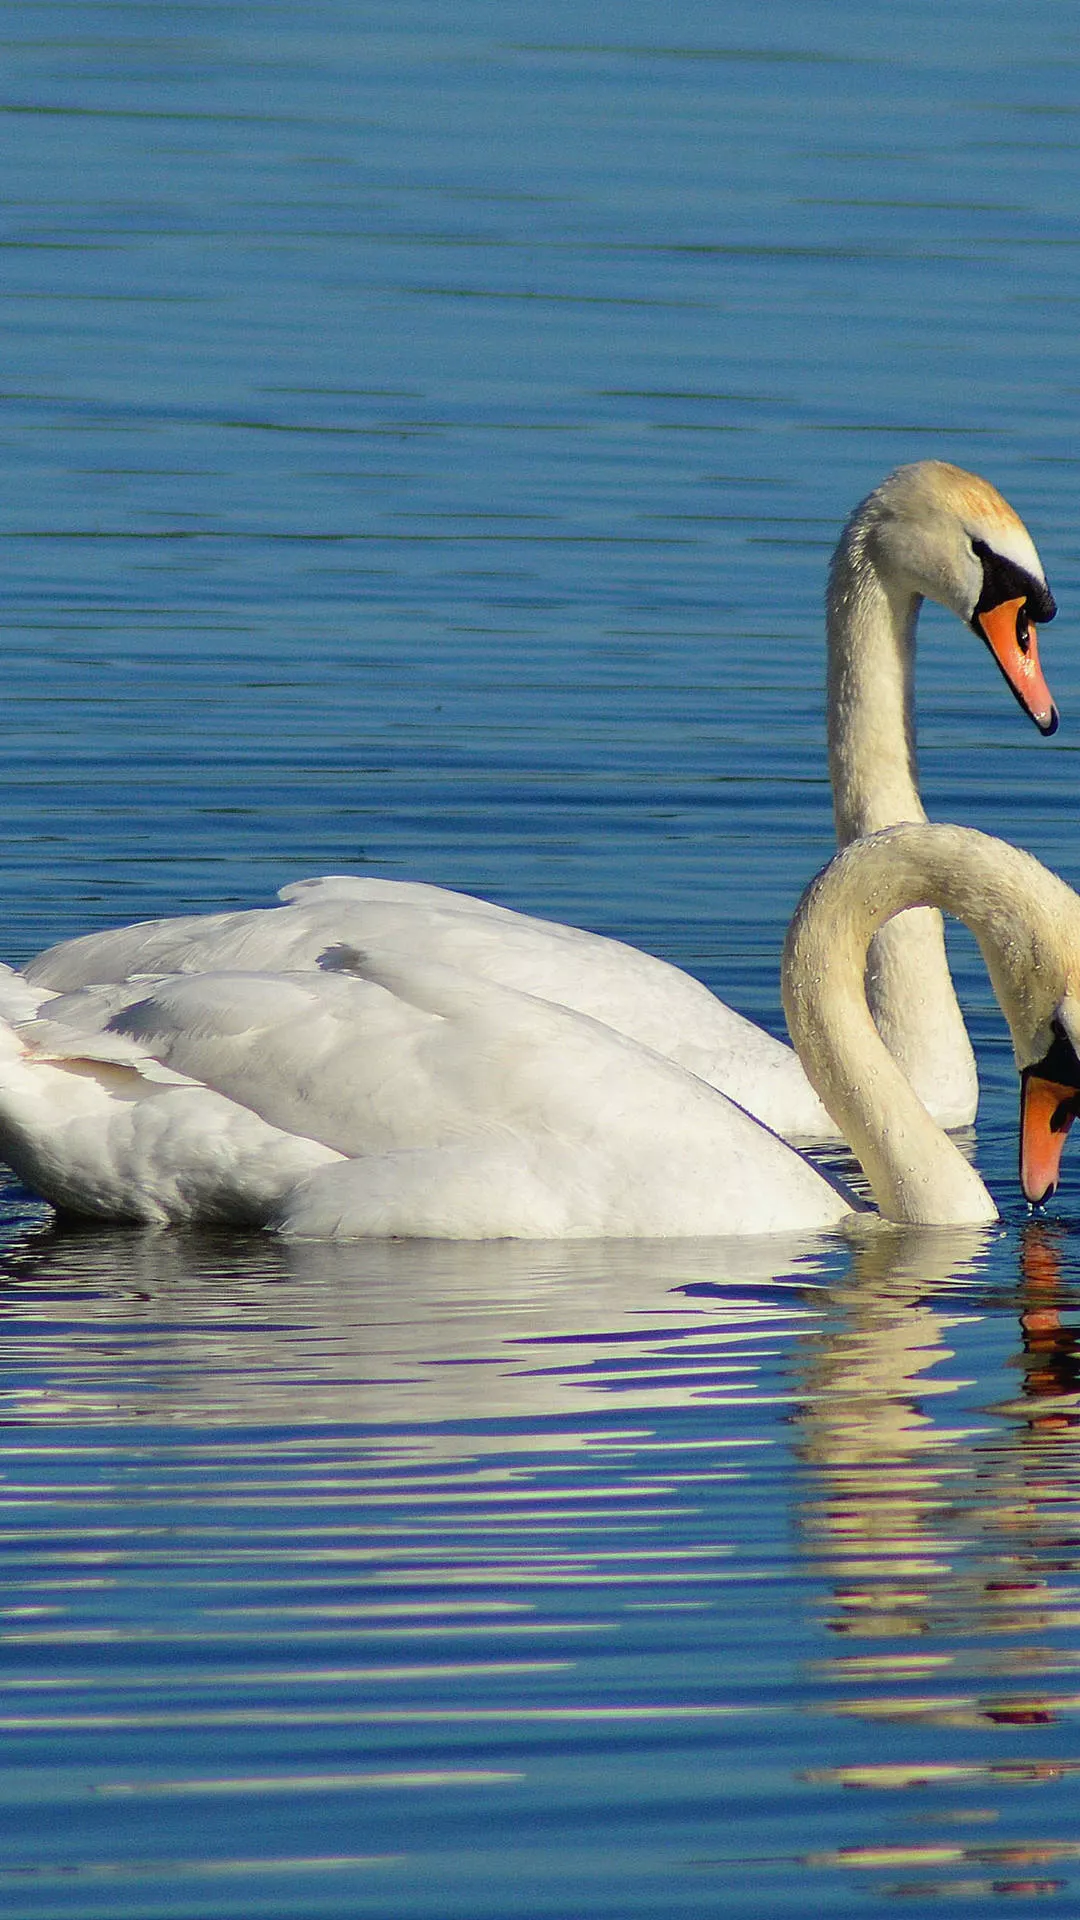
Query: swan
{"points": [[398, 1096], [929, 529]]}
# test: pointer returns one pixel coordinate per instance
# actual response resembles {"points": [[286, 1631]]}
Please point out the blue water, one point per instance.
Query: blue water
{"points": [[424, 430]]}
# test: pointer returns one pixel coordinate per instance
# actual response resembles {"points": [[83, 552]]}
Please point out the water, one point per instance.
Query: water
{"points": [[424, 434]]}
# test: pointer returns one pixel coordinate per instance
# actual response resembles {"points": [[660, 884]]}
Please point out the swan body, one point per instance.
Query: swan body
{"points": [[385, 1095], [929, 529], [641, 997], [434, 1103]]}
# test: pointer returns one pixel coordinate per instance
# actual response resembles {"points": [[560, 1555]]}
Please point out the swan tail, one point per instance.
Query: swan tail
{"points": [[105, 1132]]}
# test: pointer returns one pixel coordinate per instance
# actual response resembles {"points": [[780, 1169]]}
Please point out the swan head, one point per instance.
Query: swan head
{"points": [[1049, 1101], [1030, 939], [946, 535]]}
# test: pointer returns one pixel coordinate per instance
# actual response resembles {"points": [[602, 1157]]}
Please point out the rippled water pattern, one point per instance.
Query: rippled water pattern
{"points": [[424, 431]]}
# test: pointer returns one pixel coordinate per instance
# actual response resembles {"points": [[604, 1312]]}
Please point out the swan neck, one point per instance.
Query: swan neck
{"points": [[917, 1173], [870, 628]]}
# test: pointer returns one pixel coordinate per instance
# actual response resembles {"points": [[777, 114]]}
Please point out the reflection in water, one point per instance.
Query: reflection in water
{"points": [[400, 1557], [1049, 1359], [424, 1332], [497, 1527], [960, 1539]]}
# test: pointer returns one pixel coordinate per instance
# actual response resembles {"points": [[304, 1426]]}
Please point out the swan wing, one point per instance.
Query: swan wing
{"points": [[463, 1108], [646, 999]]}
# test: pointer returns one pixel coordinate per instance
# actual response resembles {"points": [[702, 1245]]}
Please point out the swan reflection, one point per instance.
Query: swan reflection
{"points": [[948, 1548], [420, 1332], [549, 1485]]}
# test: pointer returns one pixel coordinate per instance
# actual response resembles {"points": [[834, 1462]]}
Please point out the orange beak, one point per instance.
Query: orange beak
{"points": [[1012, 641], [1047, 1111]]}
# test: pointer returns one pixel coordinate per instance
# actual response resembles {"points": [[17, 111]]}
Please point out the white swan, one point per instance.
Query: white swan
{"points": [[407, 1098], [929, 529]]}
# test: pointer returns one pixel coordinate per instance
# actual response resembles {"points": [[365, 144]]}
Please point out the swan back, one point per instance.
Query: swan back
{"points": [[428, 1102]]}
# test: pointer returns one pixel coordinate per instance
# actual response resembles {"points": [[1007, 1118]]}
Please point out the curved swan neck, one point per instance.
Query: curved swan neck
{"points": [[870, 628], [889, 551], [1023, 917]]}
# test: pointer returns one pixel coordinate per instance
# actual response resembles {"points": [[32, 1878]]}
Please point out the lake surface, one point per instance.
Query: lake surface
{"points": [[424, 433]]}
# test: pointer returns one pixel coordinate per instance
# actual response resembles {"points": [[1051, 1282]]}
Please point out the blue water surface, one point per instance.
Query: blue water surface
{"points": [[424, 432]]}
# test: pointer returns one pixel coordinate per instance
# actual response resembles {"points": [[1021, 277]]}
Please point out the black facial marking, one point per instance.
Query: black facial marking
{"points": [[1004, 580], [1060, 1064]]}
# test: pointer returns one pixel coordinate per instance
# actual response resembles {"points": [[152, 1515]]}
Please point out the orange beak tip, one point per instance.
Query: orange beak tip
{"points": [[1018, 658], [1046, 1114]]}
